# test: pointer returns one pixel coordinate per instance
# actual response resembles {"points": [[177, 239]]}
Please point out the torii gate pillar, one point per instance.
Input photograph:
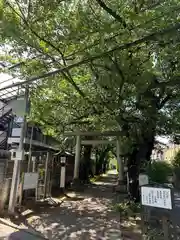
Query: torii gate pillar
{"points": [[77, 157]]}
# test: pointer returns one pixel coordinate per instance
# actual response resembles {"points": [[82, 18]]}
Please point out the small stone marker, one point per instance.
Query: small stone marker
{"points": [[143, 180]]}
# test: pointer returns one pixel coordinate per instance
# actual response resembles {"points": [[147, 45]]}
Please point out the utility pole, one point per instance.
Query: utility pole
{"points": [[19, 158]]}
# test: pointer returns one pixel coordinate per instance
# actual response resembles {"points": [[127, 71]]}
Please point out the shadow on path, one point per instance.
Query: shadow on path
{"points": [[10, 231], [89, 219]]}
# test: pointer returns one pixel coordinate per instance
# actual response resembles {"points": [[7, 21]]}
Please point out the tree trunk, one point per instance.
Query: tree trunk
{"points": [[140, 154], [101, 161], [98, 164], [133, 176], [85, 165]]}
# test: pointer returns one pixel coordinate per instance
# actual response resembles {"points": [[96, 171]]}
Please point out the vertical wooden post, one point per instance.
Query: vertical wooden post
{"points": [[21, 190], [165, 227], [143, 222], [46, 174], [175, 233], [30, 150], [34, 164]]}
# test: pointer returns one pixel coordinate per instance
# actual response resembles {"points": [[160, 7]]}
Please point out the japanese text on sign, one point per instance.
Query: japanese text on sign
{"points": [[156, 197]]}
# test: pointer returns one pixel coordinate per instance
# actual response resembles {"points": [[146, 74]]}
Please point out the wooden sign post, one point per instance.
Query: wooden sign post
{"points": [[159, 199], [156, 197], [63, 173]]}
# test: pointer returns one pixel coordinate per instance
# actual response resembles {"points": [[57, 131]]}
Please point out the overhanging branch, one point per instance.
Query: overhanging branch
{"points": [[112, 13], [165, 100], [84, 61]]}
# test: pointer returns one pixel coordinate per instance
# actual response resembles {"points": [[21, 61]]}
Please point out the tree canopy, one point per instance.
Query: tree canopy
{"points": [[99, 64]]}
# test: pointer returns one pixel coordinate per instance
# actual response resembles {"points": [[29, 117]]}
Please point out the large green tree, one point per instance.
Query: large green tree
{"points": [[104, 64]]}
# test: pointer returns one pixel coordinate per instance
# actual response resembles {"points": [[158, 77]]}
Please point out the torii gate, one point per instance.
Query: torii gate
{"points": [[79, 134]]}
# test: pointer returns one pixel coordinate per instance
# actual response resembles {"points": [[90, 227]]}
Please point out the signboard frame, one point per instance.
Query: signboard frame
{"points": [[33, 184], [157, 205], [164, 214]]}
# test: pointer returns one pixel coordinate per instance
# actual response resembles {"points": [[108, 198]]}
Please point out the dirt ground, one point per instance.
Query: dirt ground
{"points": [[89, 217]]}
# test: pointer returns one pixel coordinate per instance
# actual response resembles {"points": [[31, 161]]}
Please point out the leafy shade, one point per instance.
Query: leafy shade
{"points": [[103, 65]]}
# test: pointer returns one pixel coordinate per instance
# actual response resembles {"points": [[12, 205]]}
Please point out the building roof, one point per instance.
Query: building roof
{"points": [[12, 87], [9, 93]]}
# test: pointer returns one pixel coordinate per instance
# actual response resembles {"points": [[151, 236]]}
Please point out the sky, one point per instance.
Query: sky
{"points": [[163, 139]]}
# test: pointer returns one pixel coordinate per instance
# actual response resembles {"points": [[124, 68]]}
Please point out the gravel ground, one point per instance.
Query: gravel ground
{"points": [[10, 231], [90, 218]]}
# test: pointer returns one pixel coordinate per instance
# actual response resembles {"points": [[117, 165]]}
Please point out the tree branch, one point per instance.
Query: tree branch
{"points": [[164, 101], [112, 13], [78, 120], [84, 61], [31, 29], [104, 103], [119, 70], [152, 6], [66, 76]]}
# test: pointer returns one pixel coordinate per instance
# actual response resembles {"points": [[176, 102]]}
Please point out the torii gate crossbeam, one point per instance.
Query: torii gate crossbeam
{"points": [[78, 135]]}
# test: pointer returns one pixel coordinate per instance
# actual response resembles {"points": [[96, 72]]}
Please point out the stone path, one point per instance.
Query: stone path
{"points": [[90, 218]]}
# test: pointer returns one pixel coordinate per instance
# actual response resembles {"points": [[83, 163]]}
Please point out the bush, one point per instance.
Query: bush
{"points": [[126, 208], [176, 160], [159, 171], [176, 168]]}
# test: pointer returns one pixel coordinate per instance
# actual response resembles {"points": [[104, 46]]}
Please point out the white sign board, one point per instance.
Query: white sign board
{"points": [[62, 177], [156, 197], [17, 155], [143, 179], [30, 181], [16, 132], [63, 159]]}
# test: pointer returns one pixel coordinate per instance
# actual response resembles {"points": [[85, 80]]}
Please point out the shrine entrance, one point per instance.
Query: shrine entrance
{"points": [[114, 139]]}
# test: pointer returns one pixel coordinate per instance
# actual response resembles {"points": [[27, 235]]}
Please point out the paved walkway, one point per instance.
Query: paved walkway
{"points": [[90, 218]]}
